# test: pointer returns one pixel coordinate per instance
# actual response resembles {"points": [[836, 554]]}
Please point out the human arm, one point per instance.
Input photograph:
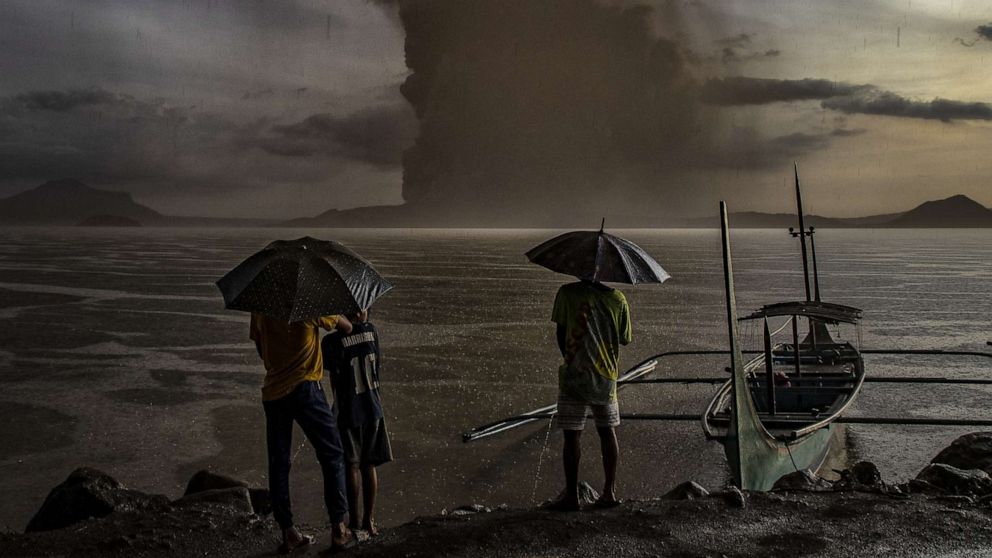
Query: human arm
{"points": [[343, 325], [334, 323], [560, 335]]}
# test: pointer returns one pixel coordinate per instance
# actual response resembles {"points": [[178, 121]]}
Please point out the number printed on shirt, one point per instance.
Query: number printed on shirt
{"points": [[364, 369]]}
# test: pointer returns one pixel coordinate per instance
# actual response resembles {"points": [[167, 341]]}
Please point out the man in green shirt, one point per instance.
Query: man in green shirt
{"points": [[593, 321]]}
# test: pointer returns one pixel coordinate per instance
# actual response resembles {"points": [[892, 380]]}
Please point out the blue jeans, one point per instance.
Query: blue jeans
{"points": [[307, 405]]}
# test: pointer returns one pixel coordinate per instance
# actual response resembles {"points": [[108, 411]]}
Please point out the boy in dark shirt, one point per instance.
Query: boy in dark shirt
{"points": [[352, 361]]}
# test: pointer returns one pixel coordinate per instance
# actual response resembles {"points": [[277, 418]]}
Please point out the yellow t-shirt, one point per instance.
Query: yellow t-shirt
{"points": [[290, 351], [597, 323]]}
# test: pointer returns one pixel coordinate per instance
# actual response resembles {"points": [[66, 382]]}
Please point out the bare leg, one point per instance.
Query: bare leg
{"points": [[370, 487], [611, 455], [571, 455], [352, 486]]}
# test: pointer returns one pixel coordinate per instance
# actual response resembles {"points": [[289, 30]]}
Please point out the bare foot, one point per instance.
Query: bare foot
{"points": [[368, 524], [292, 539], [342, 538]]}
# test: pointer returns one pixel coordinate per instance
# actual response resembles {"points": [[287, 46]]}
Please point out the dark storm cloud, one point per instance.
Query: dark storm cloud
{"points": [[733, 56], [885, 103], [60, 101], [982, 32], [144, 145], [737, 41], [757, 91], [377, 135], [839, 96]]}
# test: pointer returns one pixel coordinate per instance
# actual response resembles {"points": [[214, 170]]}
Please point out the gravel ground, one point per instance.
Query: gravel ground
{"points": [[794, 524]]}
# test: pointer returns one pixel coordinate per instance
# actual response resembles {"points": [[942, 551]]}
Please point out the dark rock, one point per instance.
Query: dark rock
{"points": [[733, 497], [863, 475], [866, 473], [957, 481], [235, 498], [204, 480], [984, 500], [802, 480], [261, 500], [971, 451], [689, 490], [917, 486], [89, 493]]}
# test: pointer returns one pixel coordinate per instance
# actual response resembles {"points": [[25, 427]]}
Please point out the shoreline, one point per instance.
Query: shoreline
{"points": [[848, 522]]}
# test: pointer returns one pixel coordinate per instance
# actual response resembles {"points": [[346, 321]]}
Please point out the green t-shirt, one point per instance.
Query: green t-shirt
{"points": [[596, 321]]}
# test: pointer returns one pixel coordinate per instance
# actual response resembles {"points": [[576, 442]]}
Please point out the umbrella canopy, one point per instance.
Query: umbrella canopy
{"points": [[302, 279], [598, 256]]}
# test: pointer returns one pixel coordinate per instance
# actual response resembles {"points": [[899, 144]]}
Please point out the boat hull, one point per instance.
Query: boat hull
{"points": [[757, 463]]}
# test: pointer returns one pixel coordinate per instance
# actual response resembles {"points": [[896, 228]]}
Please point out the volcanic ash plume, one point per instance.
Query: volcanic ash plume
{"points": [[541, 110]]}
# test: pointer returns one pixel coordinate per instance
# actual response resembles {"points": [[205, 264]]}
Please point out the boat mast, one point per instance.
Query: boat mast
{"points": [[816, 275], [802, 232]]}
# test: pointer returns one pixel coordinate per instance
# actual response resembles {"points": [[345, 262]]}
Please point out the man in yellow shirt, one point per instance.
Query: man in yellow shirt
{"points": [[292, 392], [593, 321]]}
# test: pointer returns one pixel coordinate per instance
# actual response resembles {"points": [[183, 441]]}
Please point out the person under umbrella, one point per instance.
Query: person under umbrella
{"points": [[293, 289], [593, 321]]}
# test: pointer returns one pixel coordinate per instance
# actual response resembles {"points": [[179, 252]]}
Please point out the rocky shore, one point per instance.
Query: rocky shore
{"points": [[946, 511]]}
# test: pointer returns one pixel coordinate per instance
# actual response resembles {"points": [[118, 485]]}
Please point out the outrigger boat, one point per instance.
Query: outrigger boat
{"points": [[778, 412]]}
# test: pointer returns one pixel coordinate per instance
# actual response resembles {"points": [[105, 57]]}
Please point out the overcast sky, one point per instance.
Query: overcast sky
{"points": [[279, 108]]}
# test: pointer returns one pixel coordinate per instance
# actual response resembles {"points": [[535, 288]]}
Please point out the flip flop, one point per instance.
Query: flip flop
{"points": [[306, 540]]}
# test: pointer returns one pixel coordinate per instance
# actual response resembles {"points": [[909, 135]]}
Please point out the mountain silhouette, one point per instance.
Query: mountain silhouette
{"points": [[68, 202], [954, 212]]}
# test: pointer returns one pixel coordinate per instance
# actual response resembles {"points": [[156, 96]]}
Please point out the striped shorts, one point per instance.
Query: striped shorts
{"points": [[572, 414]]}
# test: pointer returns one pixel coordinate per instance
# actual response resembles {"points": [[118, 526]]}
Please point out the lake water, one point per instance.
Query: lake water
{"points": [[116, 353]]}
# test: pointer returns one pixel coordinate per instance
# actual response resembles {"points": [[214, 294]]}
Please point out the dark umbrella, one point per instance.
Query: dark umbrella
{"points": [[301, 279], [598, 256]]}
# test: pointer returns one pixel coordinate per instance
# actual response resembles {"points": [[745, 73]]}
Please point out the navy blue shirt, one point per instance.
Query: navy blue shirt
{"points": [[352, 362]]}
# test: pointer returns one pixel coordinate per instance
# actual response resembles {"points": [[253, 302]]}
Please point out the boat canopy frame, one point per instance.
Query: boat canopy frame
{"points": [[823, 311]]}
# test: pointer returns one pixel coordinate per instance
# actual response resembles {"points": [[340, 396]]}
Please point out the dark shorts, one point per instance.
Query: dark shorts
{"points": [[367, 444]]}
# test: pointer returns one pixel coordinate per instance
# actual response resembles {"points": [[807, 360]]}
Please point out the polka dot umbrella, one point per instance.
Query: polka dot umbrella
{"points": [[598, 256], [301, 279]]}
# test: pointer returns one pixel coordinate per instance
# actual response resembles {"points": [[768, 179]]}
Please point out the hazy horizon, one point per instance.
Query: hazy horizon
{"points": [[278, 110]]}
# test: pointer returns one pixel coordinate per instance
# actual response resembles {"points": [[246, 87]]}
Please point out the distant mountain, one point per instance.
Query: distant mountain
{"points": [[954, 212], [757, 220], [68, 202]]}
